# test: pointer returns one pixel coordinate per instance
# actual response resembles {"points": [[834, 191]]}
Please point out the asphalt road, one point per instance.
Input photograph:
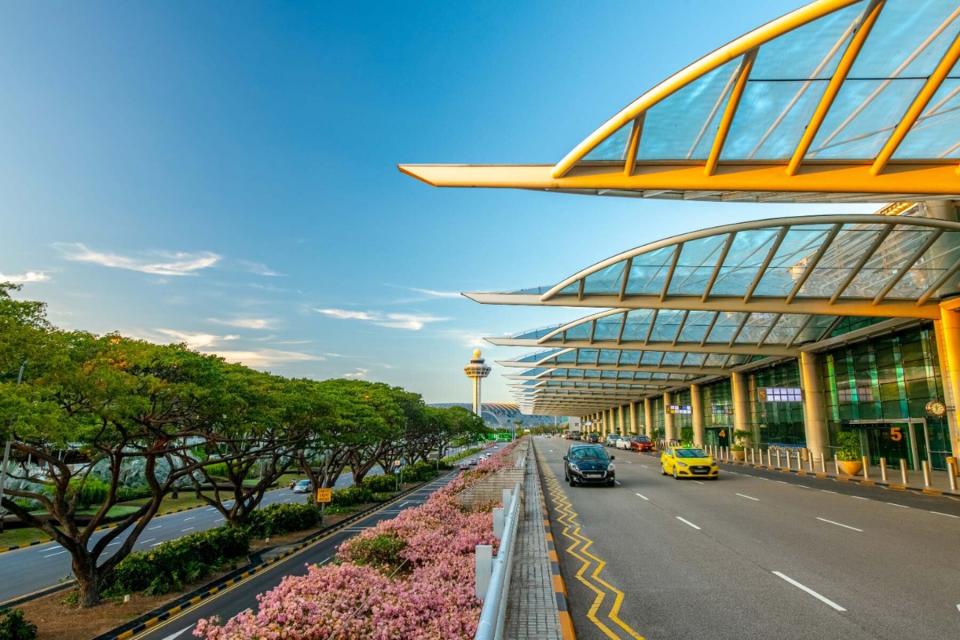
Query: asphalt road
{"points": [[24, 571], [757, 555], [243, 595]]}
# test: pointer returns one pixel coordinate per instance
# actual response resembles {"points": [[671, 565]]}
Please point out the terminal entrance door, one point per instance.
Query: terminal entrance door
{"points": [[892, 440]]}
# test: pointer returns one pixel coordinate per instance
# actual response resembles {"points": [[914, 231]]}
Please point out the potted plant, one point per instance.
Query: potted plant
{"points": [[848, 454], [740, 440]]}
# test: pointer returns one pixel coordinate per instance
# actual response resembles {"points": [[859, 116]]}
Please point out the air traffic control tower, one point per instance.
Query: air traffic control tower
{"points": [[477, 370]]}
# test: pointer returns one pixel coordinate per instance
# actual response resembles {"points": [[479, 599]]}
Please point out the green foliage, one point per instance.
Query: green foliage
{"points": [[168, 566], [89, 491], [278, 519], [351, 496], [125, 494], [14, 626], [419, 472], [849, 443], [381, 551], [382, 496], [380, 484]]}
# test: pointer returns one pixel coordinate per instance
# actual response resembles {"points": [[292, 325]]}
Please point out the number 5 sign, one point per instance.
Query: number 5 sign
{"points": [[896, 435]]}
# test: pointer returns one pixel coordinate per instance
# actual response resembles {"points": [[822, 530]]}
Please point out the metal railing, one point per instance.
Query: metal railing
{"points": [[493, 574]]}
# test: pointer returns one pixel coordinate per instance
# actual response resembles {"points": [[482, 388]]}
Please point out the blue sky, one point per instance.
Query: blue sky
{"points": [[225, 173]]}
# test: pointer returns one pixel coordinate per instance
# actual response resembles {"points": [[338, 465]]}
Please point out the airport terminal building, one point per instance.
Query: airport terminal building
{"points": [[790, 329]]}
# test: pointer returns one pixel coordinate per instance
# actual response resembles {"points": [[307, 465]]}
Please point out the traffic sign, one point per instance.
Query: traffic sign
{"points": [[324, 495]]}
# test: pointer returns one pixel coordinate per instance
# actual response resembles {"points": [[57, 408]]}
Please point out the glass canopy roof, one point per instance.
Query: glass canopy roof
{"points": [[615, 359], [854, 265], [837, 100]]}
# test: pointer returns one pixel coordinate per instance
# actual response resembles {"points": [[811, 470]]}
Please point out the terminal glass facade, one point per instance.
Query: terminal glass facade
{"points": [[776, 408], [683, 422], [658, 429], [880, 388]]}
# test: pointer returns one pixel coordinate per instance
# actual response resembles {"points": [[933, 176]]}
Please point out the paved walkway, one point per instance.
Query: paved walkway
{"points": [[532, 606]]}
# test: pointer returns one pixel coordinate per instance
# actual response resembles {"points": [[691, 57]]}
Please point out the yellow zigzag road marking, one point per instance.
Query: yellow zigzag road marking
{"points": [[571, 530]]}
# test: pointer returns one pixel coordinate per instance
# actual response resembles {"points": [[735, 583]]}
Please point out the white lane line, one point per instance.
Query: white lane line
{"points": [[743, 495], [640, 495], [859, 498], [324, 561], [828, 491], [50, 548], [50, 555], [698, 482], [644, 466], [618, 482], [803, 486], [190, 518], [810, 591], [687, 522], [902, 506], [159, 526], [404, 503], [177, 634], [156, 544], [782, 481], [207, 509], [146, 541], [113, 543], [187, 529], [839, 524], [949, 515]]}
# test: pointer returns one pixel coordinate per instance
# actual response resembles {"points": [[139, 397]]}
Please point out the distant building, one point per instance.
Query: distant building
{"points": [[503, 415]]}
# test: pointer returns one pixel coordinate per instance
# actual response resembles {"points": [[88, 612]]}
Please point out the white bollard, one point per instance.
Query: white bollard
{"points": [[823, 463], [903, 471], [952, 474], [498, 522], [883, 469], [809, 461], [484, 567], [799, 461], [836, 466], [926, 473], [778, 458], [866, 466]]}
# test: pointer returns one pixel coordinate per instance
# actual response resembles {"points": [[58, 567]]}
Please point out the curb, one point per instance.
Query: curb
{"points": [[152, 618], [556, 578], [869, 482]]}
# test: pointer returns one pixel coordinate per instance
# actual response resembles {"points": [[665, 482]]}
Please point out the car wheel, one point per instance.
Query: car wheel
{"points": [[663, 471], [573, 481], [611, 483], [675, 476]]}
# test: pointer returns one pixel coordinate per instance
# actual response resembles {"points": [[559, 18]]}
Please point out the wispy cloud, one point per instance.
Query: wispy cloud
{"points": [[25, 278], [159, 263], [244, 323], [406, 321], [264, 358], [466, 338], [258, 268], [433, 293], [356, 374], [199, 341]]}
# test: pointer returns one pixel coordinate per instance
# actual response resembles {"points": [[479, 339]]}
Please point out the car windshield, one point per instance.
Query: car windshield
{"points": [[303, 483], [690, 453], [587, 453], [641, 439]]}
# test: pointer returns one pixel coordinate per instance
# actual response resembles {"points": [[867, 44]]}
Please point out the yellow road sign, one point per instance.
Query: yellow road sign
{"points": [[324, 495]]}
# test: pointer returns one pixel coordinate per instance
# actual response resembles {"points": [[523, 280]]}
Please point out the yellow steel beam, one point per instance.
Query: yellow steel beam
{"points": [[905, 179], [833, 87], [917, 106], [704, 65], [727, 118], [631, 157]]}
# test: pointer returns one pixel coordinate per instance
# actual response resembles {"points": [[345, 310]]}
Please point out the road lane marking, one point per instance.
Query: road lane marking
{"points": [[147, 540], [902, 506], [50, 555], [159, 526], [50, 548], [190, 518], [177, 634], [743, 495], [698, 482], [113, 543], [618, 482], [810, 591], [839, 524], [782, 481], [156, 544], [187, 529], [803, 486], [687, 522], [859, 498], [828, 491], [324, 561], [949, 515], [640, 495]]}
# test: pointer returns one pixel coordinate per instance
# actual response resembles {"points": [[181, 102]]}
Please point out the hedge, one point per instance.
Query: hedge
{"points": [[278, 519], [13, 626], [380, 484], [169, 565], [351, 496]]}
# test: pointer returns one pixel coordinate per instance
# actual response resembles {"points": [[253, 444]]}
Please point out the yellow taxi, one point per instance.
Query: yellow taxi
{"points": [[688, 462]]}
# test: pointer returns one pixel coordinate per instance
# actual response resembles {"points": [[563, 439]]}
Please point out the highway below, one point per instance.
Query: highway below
{"points": [[24, 571], [752, 555], [243, 595]]}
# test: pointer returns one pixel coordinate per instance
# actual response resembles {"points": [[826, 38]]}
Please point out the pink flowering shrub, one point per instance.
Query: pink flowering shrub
{"points": [[429, 597]]}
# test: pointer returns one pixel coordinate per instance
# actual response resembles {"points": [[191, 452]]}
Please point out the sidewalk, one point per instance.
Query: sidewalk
{"points": [[939, 482], [532, 605]]}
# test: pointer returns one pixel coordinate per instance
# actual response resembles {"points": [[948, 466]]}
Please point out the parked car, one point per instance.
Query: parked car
{"points": [[588, 464], [302, 486], [575, 435], [610, 440], [622, 442], [593, 437], [641, 443], [688, 462]]}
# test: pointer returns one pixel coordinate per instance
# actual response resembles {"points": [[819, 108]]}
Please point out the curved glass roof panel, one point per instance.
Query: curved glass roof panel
{"points": [[865, 92]]}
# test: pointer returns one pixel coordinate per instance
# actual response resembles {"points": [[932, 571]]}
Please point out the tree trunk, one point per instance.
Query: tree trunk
{"points": [[88, 579]]}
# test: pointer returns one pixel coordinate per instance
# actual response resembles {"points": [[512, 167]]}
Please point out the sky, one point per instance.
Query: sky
{"points": [[224, 174]]}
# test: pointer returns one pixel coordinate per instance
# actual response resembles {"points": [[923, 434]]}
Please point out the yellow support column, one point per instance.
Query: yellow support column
{"points": [[621, 425], [947, 330], [668, 432], [814, 409], [633, 418], [741, 404], [648, 417], [696, 410]]}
